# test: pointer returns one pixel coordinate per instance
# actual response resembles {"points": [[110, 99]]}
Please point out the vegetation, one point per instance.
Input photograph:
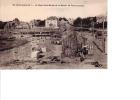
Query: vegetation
{"points": [[89, 22], [2, 24]]}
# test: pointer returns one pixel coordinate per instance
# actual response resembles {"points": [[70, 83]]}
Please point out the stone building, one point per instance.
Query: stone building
{"points": [[16, 24], [23, 25], [51, 22]]}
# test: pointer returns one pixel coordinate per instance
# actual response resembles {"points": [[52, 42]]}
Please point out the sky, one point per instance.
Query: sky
{"points": [[26, 13]]}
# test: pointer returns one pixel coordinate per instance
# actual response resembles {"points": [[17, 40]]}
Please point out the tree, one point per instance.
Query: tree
{"points": [[2, 24], [42, 23], [77, 22], [16, 21]]}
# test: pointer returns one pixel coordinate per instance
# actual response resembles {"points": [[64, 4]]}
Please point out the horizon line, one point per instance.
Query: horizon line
{"points": [[53, 16]]}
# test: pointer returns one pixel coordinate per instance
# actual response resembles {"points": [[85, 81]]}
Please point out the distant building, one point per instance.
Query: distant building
{"points": [[33, 23], [16, 24], [63, 21], [37, 23], [10, 25], [101, 19], [51, 22], [70, 20], [23, 25]]}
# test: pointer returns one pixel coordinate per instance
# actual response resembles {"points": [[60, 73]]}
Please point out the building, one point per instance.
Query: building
{"points": [[63, 21], [33, 23], [37, 23], [16, 24], [51, 22], [23, 25], [70, 20], [101, 19]]}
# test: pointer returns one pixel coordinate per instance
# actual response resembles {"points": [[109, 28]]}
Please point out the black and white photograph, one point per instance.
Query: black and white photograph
{"points": [[69, 50], [53, 34]]}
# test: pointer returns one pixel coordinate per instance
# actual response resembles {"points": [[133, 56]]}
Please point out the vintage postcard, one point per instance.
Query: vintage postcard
{"points": [[53, 34]]}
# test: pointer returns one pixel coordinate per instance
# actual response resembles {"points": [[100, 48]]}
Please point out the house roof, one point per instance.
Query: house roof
{"points": [[63, 19]]}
